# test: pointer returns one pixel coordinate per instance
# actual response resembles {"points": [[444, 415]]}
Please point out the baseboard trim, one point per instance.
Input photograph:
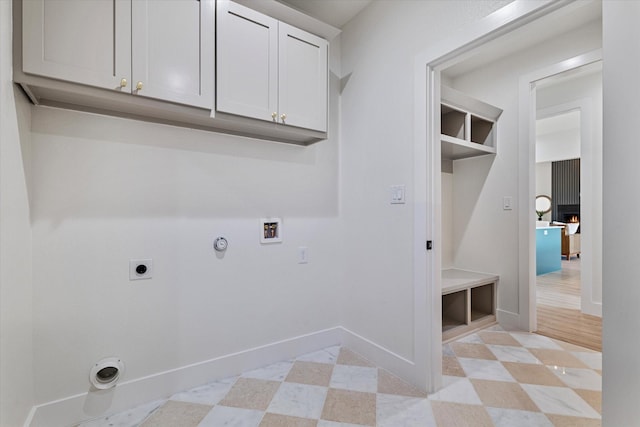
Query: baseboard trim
{"points": [[508, 319], [592, 308], [381, 356], [96, 403]]}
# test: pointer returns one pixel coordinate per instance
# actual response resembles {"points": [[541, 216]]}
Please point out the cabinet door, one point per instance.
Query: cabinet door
{"points": [[303, 89], [81, 41], [173, 50], [247, 62]]}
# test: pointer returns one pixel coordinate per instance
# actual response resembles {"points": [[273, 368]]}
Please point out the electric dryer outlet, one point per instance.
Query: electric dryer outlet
{"points": [[140, 269]]}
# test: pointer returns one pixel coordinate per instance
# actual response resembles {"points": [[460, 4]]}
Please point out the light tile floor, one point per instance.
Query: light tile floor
{"points": [[492, 378]]}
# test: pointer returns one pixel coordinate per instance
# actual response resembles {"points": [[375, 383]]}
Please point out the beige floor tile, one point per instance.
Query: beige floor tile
{"points": [[451, 367], [572, 347], [565, 421], [175, 413], [592, 397], [532, 374], [500, 394], [311, 373], [449, 414], [390, 384], [499, 338], [250, 393], [557, 358], [348, 357], [277, 420], [353, 407], [473, 351]]}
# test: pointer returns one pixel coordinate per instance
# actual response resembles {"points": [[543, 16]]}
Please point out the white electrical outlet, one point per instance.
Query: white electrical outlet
{"points": [[303, 255], [397, 194], [140, 269]]}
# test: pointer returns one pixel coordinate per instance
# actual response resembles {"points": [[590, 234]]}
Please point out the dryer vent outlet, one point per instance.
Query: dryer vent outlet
{"points": [[106, 373]]}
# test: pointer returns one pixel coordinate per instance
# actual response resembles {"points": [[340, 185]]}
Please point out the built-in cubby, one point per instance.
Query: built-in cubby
{"points": [[454, 313], [467, 125], [482, 302], [468, 302], [482, 131], [452, 122], [468, 128]]}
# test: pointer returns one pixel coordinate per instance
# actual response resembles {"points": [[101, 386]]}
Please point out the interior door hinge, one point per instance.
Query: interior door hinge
{"points": [[429, 245]]}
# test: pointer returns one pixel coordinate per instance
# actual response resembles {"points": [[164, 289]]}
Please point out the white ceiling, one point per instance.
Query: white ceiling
{"points": [[333, 12]]}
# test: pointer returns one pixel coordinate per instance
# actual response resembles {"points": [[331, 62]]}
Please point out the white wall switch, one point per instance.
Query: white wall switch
{"points": [[507, 203], [303, 255], [397, 194]]}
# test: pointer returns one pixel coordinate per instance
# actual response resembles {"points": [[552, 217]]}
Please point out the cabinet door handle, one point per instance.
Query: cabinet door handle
{"points": [[283, 117], [139, 86], [274, 116], [123, 82]]}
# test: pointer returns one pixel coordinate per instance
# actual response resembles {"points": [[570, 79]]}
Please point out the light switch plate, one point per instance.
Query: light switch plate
{"points": [[303, 255], [397, 194], [507, 203]]}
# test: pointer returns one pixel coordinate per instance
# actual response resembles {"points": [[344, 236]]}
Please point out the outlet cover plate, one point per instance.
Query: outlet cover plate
{"points": [[303, 255], [397, 194]]}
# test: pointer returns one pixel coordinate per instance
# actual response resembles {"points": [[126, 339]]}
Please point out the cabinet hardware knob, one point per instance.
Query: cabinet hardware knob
{"points": [[123, 82], [283, 117], [139, 86], [274, 116]]}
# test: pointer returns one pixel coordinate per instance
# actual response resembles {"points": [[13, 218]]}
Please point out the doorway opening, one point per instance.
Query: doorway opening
{"points": [[470, 64], [568, 169]]}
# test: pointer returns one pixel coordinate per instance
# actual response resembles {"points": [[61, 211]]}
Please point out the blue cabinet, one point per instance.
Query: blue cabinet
{"points": [[548, 250]]}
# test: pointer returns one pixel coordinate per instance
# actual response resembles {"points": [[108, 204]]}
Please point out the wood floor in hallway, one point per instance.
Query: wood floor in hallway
{"points": [[558, 308]]}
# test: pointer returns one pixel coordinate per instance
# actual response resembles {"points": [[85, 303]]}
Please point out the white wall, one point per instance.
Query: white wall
{"points": [[106, 190], [621, 318], [379, 46], [543, 183], [16, 345], [557, 146], [487, 238], [447, 220]]}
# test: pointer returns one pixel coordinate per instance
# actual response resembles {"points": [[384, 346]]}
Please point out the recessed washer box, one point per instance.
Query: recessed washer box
{"points": [[270, 230]]}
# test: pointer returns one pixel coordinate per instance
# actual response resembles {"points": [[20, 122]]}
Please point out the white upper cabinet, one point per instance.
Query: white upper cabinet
{"points": [[207, 64], [269, 70], [158, 49], [87, 42], [247, 62], [302, 78], [173, 50]]}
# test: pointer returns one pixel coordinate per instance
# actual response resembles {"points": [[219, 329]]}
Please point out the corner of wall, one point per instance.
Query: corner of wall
{"points": [[16, 320]]}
